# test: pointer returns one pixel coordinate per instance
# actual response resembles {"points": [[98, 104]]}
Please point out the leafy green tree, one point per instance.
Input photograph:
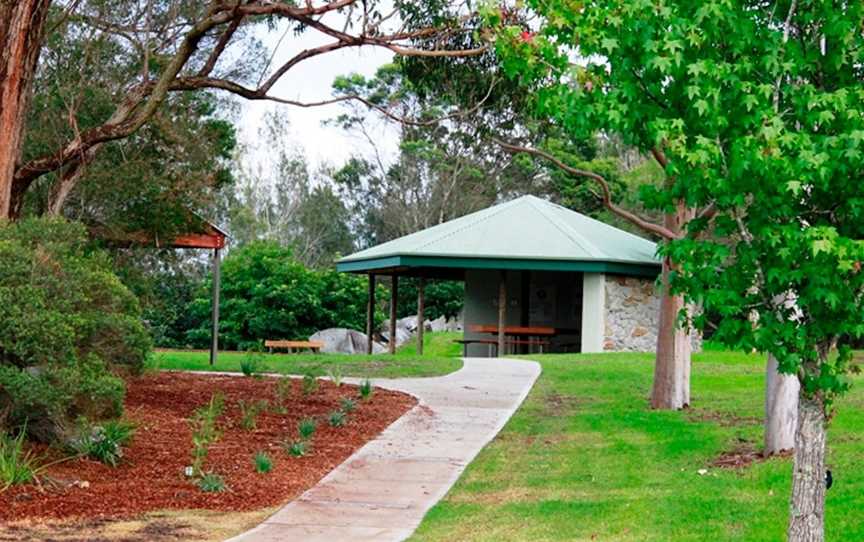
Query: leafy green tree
{"points": [[168, 47], [449, 112], [146, 182], [441, 298], [165, 281], [68, 327], [268, 294], [278, 199], [756, 108]]}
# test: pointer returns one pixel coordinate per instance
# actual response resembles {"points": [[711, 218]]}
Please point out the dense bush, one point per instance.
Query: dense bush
{"points": [[268, 294], [67, 327]]}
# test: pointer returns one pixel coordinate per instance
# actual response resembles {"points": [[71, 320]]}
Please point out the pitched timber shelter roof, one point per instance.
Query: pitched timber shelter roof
{"points": [[527, 233]]}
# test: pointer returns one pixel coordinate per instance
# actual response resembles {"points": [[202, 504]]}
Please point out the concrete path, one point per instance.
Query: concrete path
{"points": [[382, 492]]}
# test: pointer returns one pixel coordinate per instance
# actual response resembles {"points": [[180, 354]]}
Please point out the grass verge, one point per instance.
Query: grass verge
{"points": [[584, 458], [440, 357]]}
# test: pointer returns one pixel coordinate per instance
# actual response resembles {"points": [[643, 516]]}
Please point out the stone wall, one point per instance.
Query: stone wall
{"points": [[632, 309], [632, 314]]}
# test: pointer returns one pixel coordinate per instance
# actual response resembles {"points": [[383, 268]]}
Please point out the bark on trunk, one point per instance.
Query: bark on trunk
{"points": [[671, 389], [807, 510], [781, 409], [20, 39]]}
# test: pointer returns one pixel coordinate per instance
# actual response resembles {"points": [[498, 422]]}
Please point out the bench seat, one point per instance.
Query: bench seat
{"points": [[315, 346]]}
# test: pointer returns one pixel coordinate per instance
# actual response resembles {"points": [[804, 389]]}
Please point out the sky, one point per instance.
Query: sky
{"points": [[311, 81]]}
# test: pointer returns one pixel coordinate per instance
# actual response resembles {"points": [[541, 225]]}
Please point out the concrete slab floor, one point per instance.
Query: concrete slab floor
{"points": [[382, 492]]}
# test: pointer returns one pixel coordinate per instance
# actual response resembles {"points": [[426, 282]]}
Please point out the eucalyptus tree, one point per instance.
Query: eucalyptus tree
{"points": [[756, 108], [448, 113], [182, 46]]}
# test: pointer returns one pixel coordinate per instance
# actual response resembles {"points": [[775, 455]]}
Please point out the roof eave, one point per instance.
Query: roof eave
{"points": [[370, 265]]}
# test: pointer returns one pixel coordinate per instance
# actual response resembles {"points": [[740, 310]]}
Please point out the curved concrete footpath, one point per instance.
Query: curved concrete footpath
{"points": [[382, 492]]}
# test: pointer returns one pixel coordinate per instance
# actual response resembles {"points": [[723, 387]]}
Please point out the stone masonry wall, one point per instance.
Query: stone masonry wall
{"points": [[632, 314], [632, 309]]}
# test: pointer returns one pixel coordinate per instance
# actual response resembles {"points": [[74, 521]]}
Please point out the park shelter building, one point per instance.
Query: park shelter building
{"points": [[528, 264]]}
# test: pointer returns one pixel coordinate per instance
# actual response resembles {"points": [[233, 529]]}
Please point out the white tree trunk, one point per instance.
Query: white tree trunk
{"points": [[807, 510], [781, 409], [671, 389]]}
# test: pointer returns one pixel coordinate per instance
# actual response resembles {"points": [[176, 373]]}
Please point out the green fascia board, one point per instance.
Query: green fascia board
{"points": [[390, 262]]}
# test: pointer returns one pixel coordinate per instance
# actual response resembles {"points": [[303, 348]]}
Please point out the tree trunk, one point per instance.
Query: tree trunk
{"points": [[20, 40], [807, 510], [671, 389], [781, 408]]}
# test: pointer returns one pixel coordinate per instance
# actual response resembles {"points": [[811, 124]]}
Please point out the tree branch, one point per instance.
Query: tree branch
{"points": [[144, 98], [633, 218]]}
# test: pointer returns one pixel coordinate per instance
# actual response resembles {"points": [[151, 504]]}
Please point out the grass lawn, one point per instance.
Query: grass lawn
{"points": [[585, 459], [440, 356]]}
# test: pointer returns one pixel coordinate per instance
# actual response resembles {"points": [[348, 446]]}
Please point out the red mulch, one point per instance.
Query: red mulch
{"points": [[151, 476]]}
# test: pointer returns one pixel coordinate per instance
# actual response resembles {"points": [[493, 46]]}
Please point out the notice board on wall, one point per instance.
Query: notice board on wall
{"points": [[541, 304]]}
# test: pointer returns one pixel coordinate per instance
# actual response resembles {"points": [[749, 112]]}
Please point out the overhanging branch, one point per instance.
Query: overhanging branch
{"points": [[631, 217]]}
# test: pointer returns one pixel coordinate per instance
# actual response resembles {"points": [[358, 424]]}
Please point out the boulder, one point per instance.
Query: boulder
{"points": [[345, 341], [409, 324], [439, 324], [402, 336], [454, 324]]}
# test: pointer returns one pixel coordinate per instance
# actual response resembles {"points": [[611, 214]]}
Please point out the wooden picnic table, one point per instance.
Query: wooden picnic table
{"points": [[521, 335], [515, 330]]}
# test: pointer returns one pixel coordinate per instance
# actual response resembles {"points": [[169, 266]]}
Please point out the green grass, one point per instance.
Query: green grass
{"points": [[440, 356], [585, 459]]}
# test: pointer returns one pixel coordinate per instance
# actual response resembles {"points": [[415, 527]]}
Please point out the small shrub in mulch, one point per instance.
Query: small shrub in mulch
{"points": [[151, 475]]}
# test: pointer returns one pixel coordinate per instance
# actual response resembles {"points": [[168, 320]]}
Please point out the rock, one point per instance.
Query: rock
{"points": [[345, 341], [409, 324], [402, 336], [439, 324]]}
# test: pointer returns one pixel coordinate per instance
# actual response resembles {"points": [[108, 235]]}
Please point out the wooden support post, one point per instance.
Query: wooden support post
{"points": [[370, 314], [421, 306], [394, 301], [214, 332], [502, 312]]}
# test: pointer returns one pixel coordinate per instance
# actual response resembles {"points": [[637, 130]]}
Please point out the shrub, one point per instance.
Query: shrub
{"points": [[366, 389], [335, 375], [310, 384], [283, 392], [348, 405], [250, 365], [67, 324], [337, 418], [104, 442], [306, 428], [204, 430], [212, 483], [17, 466], [249, 412], [263, 463], [298, 448], [268, 294]]}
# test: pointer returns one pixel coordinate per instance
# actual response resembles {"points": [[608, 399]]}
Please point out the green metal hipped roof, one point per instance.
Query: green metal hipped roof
{"points": [[527, 233]]}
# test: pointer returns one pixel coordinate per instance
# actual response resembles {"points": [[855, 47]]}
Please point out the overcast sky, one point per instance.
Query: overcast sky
{"points": [[311, 81]]}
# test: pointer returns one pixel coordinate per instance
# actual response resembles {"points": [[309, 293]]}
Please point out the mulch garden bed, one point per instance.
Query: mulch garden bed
{"points": [[151, 475]]}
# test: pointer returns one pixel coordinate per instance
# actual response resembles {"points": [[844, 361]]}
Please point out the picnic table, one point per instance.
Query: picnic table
{"points": [[514, 336]]}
